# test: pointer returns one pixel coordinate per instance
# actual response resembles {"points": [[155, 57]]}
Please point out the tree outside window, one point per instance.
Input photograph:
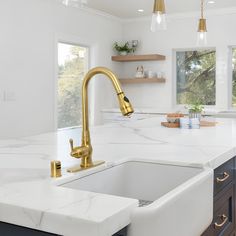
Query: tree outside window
{"points": [[234, 78], [195, 71], [73, 65]]}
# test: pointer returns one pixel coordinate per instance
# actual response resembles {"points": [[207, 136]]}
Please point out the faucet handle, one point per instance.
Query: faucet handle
{"points": [[72, 144], [79, 152]]}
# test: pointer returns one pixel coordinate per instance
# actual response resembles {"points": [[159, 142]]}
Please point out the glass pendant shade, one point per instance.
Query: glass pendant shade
{"points": [[201, 38], [158, 16], [158, 21], [202, 33]]}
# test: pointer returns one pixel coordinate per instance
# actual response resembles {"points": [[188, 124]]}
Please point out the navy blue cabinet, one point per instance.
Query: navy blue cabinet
{"points": [[223, 223], [14, 230]]}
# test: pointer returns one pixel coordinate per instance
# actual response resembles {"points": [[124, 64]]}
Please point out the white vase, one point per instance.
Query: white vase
{"points": [[123, 53], [195, 115]]}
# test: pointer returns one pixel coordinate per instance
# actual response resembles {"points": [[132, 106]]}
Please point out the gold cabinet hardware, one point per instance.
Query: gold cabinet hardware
{"points": [[55, 169], [85, 150], [224, 219], [225, 177]]}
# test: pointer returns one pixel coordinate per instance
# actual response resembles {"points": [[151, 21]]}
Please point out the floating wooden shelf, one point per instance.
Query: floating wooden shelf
{"points": [[149, 57], [142, 80]]}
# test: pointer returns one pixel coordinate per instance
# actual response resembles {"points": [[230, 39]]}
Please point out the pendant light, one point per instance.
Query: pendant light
{"points": [[158, 16], [202, 28]]}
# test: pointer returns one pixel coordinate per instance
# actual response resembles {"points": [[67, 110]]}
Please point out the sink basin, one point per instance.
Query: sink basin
{"points": [[176, 200]]}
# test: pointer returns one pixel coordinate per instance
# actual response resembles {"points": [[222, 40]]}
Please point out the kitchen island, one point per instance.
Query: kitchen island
{"points": [[30, 198]]}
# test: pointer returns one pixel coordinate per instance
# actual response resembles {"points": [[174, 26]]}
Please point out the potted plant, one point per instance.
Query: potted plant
{"points": [[123, 49], [195, 110]]}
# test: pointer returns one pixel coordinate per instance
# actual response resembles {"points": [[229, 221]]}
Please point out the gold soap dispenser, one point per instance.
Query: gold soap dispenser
{"points": [[55, 169]]}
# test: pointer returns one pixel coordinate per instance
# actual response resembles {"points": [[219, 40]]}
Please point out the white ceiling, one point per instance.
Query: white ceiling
{"points": [[129, 8]]}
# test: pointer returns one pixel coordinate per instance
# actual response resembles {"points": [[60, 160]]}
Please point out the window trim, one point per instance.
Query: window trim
{"points": [[87, 68], [230, 79], [175, 105], [74, 40]]}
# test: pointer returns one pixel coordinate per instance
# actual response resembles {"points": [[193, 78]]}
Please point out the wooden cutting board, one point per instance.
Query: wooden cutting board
{"points": [[170, 125], [203, 123]]}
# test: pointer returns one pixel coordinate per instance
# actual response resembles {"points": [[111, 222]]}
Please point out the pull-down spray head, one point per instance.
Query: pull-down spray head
{"points": [[125, 105]]}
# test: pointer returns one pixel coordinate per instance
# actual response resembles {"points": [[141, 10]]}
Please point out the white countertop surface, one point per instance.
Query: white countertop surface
{"points": [[29, 197], [149, 110]]}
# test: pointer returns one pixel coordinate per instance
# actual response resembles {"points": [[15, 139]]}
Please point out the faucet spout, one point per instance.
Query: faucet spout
{"points": [[85, 150]]}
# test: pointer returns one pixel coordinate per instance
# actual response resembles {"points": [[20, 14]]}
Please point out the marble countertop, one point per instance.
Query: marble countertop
{"points": [[29, 197], [208, 111]]}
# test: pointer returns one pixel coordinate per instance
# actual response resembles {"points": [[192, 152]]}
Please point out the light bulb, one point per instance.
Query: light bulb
{"points": [[158, 21], [202, 38]]}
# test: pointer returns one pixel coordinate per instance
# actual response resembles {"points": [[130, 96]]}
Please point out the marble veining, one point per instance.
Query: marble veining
{"points": [[29, 197]]}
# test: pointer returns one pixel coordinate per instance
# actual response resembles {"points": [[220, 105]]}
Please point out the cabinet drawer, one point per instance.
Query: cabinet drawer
{"points": [[223, 216], [223, 175]]}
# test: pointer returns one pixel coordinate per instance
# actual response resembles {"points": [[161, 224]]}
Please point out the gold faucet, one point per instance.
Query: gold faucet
{"points": [[85, 150]]}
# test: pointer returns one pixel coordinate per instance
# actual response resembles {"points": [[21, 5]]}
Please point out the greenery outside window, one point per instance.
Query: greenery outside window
{"points": [[73, 65], [195, 77], [234, 77]]}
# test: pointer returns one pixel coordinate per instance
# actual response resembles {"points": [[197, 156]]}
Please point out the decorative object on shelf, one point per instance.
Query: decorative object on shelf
{"points": [[134, 44], [160, 74], [195, 110], [124, 49], [150, 74], [139, 72], [202, 28], [146, 57], [158, 16]]}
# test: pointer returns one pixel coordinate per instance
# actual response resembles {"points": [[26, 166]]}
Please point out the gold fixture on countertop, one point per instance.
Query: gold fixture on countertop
{"points": [[85, 150], [55, 169]]}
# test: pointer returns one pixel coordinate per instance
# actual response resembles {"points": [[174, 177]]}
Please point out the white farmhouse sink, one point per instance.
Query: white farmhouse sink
{"points": [[180, 198]]}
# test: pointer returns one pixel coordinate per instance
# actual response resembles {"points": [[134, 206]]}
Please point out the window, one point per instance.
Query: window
{"points": [[234, 77], [195, 72], [72, 66]]}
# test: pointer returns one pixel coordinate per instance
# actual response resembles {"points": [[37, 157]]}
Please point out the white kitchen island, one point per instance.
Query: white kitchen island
{"points": [[30, 198]]}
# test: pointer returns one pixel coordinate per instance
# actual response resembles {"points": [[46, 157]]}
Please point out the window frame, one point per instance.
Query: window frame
{"points": [[174, 88], [73, 40], [87, 68], [230, 79]]}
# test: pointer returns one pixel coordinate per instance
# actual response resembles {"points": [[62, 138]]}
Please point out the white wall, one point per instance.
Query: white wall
{"points": [[29, 30], [181, 34], [29, 33]]}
